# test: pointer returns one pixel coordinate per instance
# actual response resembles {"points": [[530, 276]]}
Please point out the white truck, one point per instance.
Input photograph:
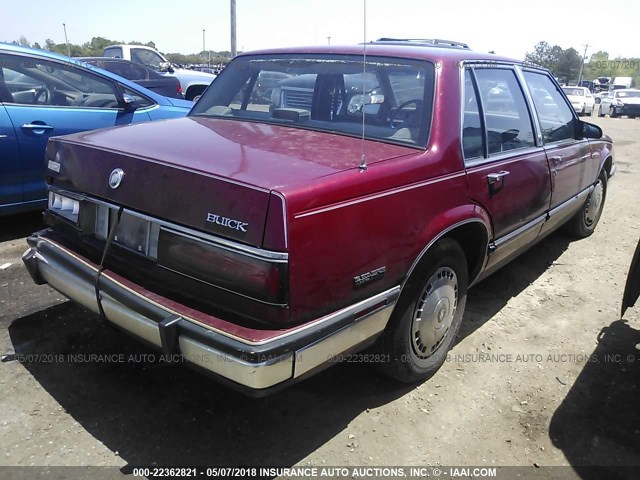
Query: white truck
{"points": [[193, 83], [621, 82]]}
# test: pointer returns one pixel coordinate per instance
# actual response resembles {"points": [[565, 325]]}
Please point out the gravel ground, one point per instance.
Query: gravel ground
{"points": [[545, 373]]}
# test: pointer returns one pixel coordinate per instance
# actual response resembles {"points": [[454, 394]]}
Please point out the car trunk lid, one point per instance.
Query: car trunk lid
{"points": [[208, 174]]}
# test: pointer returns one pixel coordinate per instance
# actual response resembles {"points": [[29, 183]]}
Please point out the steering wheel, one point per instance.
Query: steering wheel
{"points": [[43, 92], [415, 101]]}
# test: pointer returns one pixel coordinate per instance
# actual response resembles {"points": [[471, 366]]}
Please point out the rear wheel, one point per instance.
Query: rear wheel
{"points": [[584, 222], [193, 91], [612, 112], [428, 315]]}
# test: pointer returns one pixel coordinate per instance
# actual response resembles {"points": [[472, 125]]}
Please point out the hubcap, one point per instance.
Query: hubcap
{"points": [[593, 205], [434, 312]]}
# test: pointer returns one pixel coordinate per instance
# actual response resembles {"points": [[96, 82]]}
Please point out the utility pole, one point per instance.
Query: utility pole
{"points": [[582, 66], [66, 40], [204, 50], [234, 49]]}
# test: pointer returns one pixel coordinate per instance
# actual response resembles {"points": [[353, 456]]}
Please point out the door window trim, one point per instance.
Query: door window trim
{"points": [[487, 158]]}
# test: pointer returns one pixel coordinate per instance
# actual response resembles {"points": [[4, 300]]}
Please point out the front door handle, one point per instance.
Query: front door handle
{"points": [[37, 128], [495, 177]]}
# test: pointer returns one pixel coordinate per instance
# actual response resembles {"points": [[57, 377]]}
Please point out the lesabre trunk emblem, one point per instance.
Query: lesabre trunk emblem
{"points": [[115, 179]]}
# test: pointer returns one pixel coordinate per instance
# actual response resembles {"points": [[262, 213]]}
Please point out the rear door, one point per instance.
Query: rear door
{"points": [[507, 171], [49, 99]]}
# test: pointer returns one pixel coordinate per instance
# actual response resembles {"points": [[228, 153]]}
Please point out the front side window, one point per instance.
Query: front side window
{"points": [[556, 116], [41, 82], [147, 57], [115, 52], [327, 92], [507, 118], [141, 102]]}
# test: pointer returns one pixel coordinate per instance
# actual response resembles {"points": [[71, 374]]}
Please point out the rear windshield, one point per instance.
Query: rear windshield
{"points": [[628, 94], [335, 93], [578, 92]]}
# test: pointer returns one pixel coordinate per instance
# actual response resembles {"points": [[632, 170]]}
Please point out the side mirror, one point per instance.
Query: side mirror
{"points": [[130, 104], [166, 67], [589, 130]]}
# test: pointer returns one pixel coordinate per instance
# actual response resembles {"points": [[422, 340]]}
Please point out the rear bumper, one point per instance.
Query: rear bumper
{"points": [[256, 367]]}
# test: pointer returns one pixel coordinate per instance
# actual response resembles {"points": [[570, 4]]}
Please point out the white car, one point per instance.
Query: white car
{"points": [[193, 82], [581, 99], [620, 102]]}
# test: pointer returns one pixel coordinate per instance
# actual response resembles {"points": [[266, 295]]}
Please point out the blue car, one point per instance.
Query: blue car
{"points": [[43, 94]]}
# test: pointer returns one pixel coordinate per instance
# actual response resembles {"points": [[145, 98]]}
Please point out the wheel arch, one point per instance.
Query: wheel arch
{"points": [[473, 237], [607, 165]]}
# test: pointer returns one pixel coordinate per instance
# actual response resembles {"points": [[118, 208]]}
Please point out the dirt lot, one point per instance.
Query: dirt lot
{"points": [[544, 373]]}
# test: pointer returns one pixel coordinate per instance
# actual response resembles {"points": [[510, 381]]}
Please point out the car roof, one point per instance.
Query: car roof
{"points": [[12, 47], [105, 59], [396, 49]]}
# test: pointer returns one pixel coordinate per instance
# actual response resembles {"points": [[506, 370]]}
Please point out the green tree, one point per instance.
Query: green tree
{"points": [[568, 67], [543, 55]]}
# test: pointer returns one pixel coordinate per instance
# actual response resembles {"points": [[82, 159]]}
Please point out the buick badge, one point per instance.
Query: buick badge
{"points": [[115, 179]]}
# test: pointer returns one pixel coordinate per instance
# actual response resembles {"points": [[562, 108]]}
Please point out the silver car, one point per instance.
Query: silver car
{"points": [[620, 102]]}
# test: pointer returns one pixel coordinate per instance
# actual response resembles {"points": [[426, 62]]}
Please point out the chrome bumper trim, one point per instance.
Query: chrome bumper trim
{"points": [[252, 375], [75, 278]]}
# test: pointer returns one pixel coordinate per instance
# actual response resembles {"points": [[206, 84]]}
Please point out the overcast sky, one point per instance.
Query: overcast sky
{"points": [[510, 28]]}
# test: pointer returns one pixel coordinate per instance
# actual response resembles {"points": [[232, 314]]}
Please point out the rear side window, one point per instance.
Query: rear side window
{"points": [[556, 116], [472, 132], [507, 117]]}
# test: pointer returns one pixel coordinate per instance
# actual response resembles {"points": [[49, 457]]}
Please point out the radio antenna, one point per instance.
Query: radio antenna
{"points": [[363, 158]]}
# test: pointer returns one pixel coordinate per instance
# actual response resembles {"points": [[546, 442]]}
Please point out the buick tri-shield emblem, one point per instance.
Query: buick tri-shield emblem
{"points": [[115, 179]]}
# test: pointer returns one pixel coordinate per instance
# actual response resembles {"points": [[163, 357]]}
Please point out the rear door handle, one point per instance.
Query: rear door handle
{"points": [[495, 177], [37, 128], [556, 160]]}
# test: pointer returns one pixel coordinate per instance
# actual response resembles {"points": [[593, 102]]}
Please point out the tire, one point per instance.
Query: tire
{"points": [[612, 112], [193, 91], [585, 221], [426, 319], [600, 114]]}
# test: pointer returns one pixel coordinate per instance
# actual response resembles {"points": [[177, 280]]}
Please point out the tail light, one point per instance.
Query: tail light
{"points": [[263, 279]]}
